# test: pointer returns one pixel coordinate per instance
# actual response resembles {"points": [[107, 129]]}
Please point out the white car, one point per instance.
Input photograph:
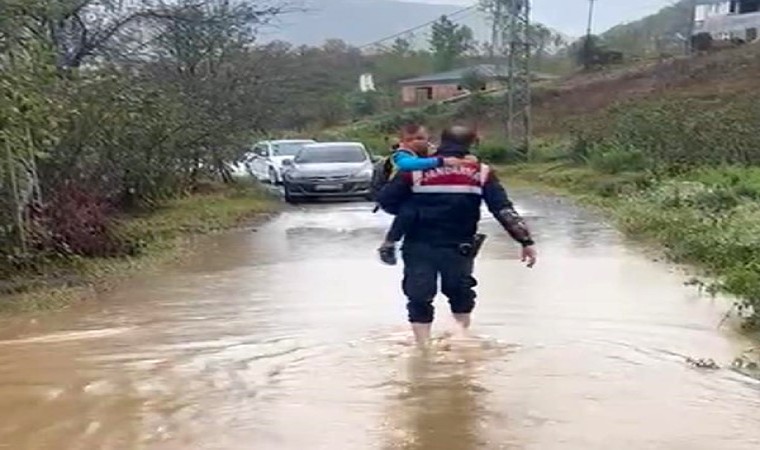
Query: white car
{"points": [[265, 162]]}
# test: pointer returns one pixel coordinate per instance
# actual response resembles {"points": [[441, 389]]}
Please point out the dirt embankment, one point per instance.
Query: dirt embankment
{"points": [[720, 75]]}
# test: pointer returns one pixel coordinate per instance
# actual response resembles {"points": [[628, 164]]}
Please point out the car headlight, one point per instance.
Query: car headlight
{"points": [[292, 174], [364, 174]]}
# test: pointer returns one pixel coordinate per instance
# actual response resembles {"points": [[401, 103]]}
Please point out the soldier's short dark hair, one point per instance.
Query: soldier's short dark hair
{"points": [[459, 134]]}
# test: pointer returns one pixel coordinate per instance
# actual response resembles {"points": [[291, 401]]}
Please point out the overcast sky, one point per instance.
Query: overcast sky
{"points": [[570, 16]]}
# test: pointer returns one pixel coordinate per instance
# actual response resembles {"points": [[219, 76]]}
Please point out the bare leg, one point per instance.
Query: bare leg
{"points": [[422, 334], [463, 322]]}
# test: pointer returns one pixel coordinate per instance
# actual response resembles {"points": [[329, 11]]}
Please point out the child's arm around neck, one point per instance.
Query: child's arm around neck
{"points": [[407, 161]]}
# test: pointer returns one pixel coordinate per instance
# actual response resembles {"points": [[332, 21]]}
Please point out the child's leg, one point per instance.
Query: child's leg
{"points": [[396, 231], [388, 249]]}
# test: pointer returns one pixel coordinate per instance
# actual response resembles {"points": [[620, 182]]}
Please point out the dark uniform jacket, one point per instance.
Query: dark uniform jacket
{"points": [[443, 204]]}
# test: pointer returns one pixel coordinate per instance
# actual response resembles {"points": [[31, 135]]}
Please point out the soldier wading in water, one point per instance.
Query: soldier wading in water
{"points": [[442, 239]]}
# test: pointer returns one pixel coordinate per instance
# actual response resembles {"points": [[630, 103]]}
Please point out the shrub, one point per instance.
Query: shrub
{"points": [[673, 136], [614, 158], [77, 222], [498, 154], [543, 150]]}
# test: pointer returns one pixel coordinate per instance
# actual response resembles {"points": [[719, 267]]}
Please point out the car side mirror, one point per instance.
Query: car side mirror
{"points": [[287, 163]]}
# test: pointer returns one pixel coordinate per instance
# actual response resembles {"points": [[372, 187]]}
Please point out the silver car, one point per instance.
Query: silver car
{"points": [[334, 169], [265, 162]]}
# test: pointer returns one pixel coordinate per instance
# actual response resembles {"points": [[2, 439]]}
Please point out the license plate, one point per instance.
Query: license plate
{"points": [[328, 187]]}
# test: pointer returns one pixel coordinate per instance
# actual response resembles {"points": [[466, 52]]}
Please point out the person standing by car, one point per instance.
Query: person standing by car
{"points": [[440, 241]]}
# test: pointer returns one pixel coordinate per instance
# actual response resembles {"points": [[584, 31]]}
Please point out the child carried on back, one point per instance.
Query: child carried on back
{"points": [[410, 156]]}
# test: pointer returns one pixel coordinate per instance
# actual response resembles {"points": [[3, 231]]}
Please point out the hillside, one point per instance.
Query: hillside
{"points": [[658, 33], [721, 75], [717, 78]]}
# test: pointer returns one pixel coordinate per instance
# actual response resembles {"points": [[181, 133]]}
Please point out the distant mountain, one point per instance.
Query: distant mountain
{"points": [[357, 22], [360, 22], [662, 32]]}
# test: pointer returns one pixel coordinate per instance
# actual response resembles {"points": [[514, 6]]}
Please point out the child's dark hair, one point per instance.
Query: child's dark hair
{"points": [[410, 129]]}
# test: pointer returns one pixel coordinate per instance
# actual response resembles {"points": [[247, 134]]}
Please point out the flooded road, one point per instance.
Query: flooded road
{"points": [[293, 337]]}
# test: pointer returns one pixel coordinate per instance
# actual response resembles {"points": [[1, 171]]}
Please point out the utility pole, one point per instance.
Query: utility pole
{"points": [[692, 24], [497, 27], [519, 76], [511, 34], [587, 44], [590, 17]]}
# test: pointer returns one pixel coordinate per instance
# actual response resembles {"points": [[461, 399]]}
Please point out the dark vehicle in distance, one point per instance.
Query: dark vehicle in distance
{"points": [[328, 170]]}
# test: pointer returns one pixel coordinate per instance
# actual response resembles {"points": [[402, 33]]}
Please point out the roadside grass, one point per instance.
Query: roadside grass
{"points": [[708, 218], [161, 236]]}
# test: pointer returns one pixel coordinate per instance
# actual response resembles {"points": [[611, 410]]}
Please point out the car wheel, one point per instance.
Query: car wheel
{"points": [[289, 198]]}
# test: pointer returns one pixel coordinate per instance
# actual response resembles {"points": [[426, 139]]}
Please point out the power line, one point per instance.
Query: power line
{"points": [[418, 27]]}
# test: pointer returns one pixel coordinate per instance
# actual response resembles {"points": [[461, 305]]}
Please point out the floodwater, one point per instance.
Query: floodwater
{"points": [[292, 336]]}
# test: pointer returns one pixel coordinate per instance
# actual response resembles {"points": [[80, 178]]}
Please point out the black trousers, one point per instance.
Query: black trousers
{"points": [[423, 264]]}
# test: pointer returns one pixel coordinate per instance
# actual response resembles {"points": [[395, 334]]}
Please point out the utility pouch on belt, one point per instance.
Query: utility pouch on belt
{"points": [[471, 250]]}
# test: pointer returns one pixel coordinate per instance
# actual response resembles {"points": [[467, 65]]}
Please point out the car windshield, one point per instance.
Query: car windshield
{"points": [[332, 154], [287, 148]]}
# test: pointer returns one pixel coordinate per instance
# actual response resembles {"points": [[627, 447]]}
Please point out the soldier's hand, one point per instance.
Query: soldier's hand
{"points": [[529, 255]]}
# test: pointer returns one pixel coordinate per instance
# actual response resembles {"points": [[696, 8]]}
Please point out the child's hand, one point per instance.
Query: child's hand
{"points": [[453, 162], [458, 162]]}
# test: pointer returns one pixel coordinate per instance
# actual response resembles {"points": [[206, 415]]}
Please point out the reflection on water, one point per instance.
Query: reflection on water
{"points": [[439, 411], [440, 398], [292, 336]]}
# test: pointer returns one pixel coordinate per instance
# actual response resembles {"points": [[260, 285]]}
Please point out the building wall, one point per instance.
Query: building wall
{"points": [[420, 95], [494, 85], [719, 20], [407, 95], [718, 9]]}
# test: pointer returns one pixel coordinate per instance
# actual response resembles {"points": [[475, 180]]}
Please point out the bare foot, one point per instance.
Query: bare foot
{"points": [[463, 324], [422, 334]]}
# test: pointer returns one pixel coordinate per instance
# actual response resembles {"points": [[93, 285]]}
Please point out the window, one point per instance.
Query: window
{"points": [[287, 148], [331, 154], [749, 6], [745, 6], [260, 150]]}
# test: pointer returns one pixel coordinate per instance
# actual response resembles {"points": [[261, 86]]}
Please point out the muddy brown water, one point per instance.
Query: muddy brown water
{"points": [[293, 337]]}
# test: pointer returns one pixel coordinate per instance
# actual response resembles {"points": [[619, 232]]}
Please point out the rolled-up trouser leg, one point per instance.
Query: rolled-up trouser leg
{"points": [[457, 282], [420, 282]]}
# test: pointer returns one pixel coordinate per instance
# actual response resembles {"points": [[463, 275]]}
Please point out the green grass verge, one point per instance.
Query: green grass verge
{"points": [[162, 236], [708, 218]]}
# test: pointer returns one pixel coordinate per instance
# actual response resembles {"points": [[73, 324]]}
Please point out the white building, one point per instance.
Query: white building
{"points": [[725, 19]]}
